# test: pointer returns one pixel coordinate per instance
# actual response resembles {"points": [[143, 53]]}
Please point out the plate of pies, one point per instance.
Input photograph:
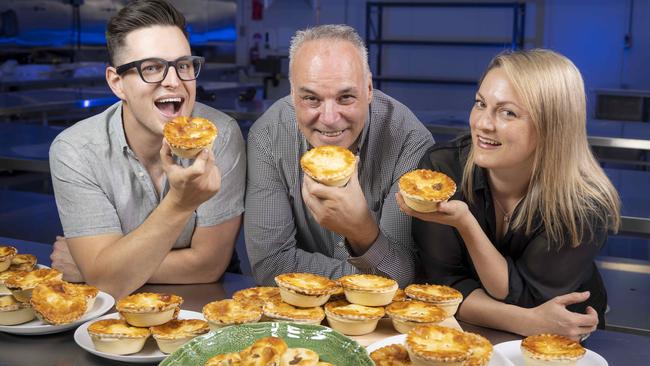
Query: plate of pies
{"points": [[513, 351], [150, 353], [330, 346], [103, 303], [394, 348]]}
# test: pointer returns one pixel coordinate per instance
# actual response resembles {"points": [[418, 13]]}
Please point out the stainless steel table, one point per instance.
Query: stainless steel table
{"points": [[60, 349]]}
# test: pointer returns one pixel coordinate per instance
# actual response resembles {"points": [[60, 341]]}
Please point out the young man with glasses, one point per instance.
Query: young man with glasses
{"points": [[131, 212]]}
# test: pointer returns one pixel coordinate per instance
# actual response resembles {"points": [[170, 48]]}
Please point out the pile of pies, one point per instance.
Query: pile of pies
{"points": [[268, 351], [142, 315], [187, 136], [329, 165], [424, 189], [551, 349], [428, 345]]}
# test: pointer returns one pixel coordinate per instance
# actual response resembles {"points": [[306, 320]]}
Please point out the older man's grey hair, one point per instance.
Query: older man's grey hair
{"points": [[335, 32]]}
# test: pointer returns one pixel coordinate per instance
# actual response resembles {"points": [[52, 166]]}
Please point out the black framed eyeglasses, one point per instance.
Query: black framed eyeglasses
{"points": [[154, 70]]}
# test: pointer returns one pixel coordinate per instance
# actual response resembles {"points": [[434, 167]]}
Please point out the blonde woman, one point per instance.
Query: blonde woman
{"points": [[520, 237]]}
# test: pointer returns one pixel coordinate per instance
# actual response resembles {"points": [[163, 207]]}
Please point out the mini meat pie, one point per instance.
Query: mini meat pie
{"points": [[23, 262], [21, 286], [329, 165], [148, 309], [264, 352], [14, 312], [187, 136], [551, 349], [430, 345], [391, 355], [116, 336], [278, 310], [369, 290], [175, 333], [229, 312], [4, 276], [444, 296], [409, 314], [305, 289], [480, 350], [257, 295], [58, 302], [423, 189], [352, 319], [7, 253]]}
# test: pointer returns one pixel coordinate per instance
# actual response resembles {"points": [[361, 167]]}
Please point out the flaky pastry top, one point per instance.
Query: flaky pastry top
{"points": [[116, 328], [346, 310], [58, 302], [9, 303], [391, 355], [433, 293], [552, 347], [189, 132], [327, 163], [180, 328], [230, 311], [258, 295], [278, 309], [368, 283], [32, 279], [23, 262], [427, 185], [7, 252], [148, 302], [306, 283], [438, 343], [416, 311]]}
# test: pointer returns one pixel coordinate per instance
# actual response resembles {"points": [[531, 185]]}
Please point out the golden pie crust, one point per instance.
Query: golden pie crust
{"points": [[187, 136], [368, 283], [58, 302], [258, 295], [306, 283], [4, 276], [551, 347], [391, 355], [424, 189], [280, 310], [369, 290], [346, 310], [352, 319], [21, 286], [116, 328], [480, 350], [428, 344], [6, 255], [433, 293], [23, 262], [400, 295], [148, 302], [180, 328], [226, 312], [329, 165], [226, 359], [416, 311], [146, 309]]}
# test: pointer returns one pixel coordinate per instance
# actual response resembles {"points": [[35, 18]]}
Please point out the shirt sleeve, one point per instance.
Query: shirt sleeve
{"points": [[269, 223], [84, 208], [394, 253], [230, 157], [543, 272]]}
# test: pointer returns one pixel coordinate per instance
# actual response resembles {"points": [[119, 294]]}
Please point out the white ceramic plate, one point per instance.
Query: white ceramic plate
{"points": [[497, 358], [149, 354], [103, 303], [512, 350]]}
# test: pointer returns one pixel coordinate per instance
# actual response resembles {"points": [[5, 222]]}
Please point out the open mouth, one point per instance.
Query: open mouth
{"points": [[169, 106], [487, 141], [331, 133]]}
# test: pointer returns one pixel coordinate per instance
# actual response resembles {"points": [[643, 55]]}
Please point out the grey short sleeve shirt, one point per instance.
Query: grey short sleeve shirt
{"points": [[282, 235], [101, 187]]}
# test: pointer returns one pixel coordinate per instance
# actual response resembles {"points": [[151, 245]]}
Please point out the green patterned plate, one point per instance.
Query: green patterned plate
{"points": [[331, 345]]}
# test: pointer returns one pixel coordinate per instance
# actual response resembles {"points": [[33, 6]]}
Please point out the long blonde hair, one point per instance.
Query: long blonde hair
{"points": [[568, 190]]}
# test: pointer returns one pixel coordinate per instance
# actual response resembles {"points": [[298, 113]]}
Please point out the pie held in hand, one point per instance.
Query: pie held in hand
{"points": [[187, 136]]}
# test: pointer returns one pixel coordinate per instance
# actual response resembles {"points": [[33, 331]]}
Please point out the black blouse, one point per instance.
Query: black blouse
{"points": [[537, 270]]}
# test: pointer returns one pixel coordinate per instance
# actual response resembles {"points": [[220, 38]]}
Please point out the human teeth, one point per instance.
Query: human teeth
{"points": [[170, 100], [488, 141], [331, 134]]}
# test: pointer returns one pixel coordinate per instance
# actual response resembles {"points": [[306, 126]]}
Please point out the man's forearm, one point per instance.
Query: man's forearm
{"points": [[126, 264], [480, 309]]}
